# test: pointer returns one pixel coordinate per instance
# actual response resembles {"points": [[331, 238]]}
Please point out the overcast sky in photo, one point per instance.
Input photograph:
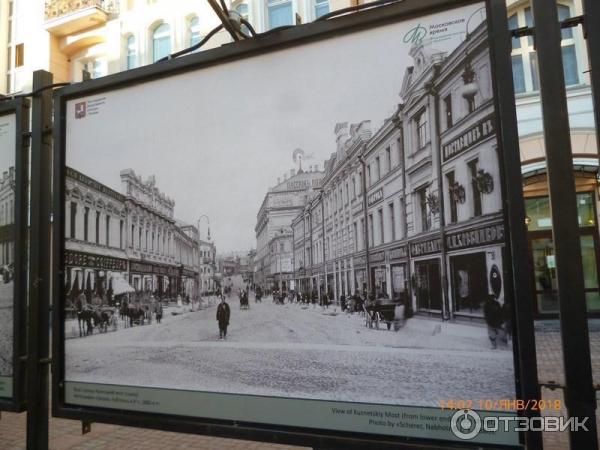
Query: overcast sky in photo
{"points": [[216, 139], [7, 141]]}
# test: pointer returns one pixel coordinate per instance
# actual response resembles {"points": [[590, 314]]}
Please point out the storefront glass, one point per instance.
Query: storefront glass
{"points": [[399, 282], [539, 224], [469, 283], [378, 280], [428, 286]]}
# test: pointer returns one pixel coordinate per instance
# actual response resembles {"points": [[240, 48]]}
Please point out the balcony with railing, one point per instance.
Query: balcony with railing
{"points": [[65, 17]]}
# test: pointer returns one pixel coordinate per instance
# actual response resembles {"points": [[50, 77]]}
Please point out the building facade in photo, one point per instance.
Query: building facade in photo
{"points": [[7, 218], [274, 234], [96, 261], [129, 242], [413, 210], [208, 268]]}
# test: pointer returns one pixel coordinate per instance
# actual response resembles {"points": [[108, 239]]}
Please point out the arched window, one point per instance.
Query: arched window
{"points": [[524, 56], [194, 31], [280, 13], [131, 53], [321, 8], [161, 42], [242, 10]]}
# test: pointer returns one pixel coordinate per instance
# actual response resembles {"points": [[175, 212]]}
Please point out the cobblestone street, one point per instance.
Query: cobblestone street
{"points": [[66, 434]]}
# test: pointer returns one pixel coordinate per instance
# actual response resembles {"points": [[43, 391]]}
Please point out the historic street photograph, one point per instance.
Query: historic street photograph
{"points": [[7, 220], [331, 231]]}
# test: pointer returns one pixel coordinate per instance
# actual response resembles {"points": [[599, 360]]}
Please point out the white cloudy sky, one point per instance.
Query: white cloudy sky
{"points": [[218, 138]]}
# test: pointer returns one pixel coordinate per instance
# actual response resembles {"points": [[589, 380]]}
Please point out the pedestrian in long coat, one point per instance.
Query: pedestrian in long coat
{"points": [[223, 314], [493, 314]]}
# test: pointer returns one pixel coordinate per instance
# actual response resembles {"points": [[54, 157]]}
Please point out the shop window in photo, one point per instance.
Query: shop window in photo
{"points": [[427, 285], [399, 283], [469, 278]]}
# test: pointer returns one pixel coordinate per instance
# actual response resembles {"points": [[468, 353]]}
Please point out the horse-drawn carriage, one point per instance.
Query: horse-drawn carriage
{"points": [[384, 311], [90, 317]]}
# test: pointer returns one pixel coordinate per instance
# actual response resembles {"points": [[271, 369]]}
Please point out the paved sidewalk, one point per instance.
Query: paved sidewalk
{"points": [[66, 435]]}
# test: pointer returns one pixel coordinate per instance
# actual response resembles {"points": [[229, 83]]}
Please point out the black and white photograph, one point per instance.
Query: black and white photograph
{"points": [[7, 218], [329, 226]]}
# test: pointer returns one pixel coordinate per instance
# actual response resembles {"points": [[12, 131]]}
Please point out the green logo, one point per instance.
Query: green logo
{"points": [[416, 35]]}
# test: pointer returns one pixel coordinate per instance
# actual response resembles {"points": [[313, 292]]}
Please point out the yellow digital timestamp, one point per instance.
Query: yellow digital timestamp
{"points": [[505, 404]]}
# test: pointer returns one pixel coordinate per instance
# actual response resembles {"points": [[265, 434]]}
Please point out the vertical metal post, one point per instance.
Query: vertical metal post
{"points": [[517, 252], [39, 263], [591, 19], [580, 396]]}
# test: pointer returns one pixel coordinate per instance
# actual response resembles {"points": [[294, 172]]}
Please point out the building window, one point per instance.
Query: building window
{"points": [[132, 235], [280, 13], [424, 214], [362, 234], [242, 10], [121, 234], [378, 168], [371, 230], [93, 68], [86, 223], [470, 99], [400, 146], [19, 55], [108, 231], [388, 159], [97, 227], [194, 31], [392, 221], [161, 42], [131, 53], [524, 57], [473, 167], [321, 8], [355, 229], [73, 220], [448, 110], [381, 226], [420, 121], [369, 178], [453, 209]]}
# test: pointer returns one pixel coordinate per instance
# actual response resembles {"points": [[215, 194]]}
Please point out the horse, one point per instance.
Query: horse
{"points": [[134, 314], [84, 319]]}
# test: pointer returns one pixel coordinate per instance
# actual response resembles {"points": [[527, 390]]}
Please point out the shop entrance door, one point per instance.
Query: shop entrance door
{"points": [[469, 283], [429, 286]]}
